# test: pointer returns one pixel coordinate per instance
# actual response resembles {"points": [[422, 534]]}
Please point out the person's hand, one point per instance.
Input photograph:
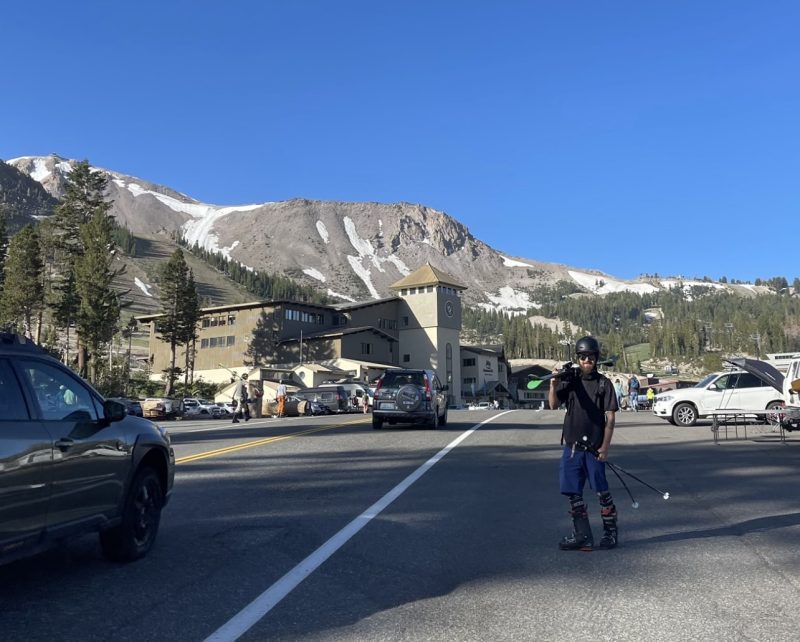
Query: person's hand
{"points": [[602, 455]]}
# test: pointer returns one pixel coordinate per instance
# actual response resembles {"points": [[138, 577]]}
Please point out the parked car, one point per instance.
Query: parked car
{"points": [[133, 406], [296, 406], [733, 389], [409, 396], [202, 408], [333, 397], [162, 408], [355, 393], [72, 462], [482, 405]]}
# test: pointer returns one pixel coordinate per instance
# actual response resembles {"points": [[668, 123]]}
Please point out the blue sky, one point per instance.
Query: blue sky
{"points": [[629, 137]]}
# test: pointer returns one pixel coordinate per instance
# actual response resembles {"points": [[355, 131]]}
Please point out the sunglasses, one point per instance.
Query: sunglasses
{"points": [[587, 357]]}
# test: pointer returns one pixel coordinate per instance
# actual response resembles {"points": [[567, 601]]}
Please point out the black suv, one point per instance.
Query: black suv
{"points": [[72, 462], [409, 396]]}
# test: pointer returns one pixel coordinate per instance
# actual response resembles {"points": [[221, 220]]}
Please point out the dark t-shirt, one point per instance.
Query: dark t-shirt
{"points": [[586, 408]]}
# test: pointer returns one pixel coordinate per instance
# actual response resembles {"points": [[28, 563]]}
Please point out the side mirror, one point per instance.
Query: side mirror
{"points": [[114, 411]]}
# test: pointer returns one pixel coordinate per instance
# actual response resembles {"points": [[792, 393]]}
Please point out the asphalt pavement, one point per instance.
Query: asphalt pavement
{"points": [[331, 530]]}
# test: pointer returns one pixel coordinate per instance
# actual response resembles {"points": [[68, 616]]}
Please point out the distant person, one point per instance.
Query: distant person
{"points": [[619, 391], [633, 393], [496, 404], [241, 398], [280, 397], [365, 401], [651, 395]]}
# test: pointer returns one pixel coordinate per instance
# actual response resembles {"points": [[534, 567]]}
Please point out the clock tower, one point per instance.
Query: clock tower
{"points": [[429, 325]]}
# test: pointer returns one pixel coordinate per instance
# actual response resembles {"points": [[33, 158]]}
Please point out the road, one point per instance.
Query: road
{"points": [[274, 511]]}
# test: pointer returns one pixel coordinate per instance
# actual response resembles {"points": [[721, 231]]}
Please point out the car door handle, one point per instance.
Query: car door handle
{"points": [[64, 443]]}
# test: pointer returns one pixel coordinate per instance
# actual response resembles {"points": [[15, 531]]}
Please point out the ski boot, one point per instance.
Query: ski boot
{"points": [[581, 538], [609, 514]]}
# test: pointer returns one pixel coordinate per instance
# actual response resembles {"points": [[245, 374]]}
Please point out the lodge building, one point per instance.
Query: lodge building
{"points": [[418, 327]]}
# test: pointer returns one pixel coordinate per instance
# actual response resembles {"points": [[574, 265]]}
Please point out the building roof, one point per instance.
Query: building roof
{"points": [[328, 334], [232, 307], [494, 351], [341, 307], [427, 275]]}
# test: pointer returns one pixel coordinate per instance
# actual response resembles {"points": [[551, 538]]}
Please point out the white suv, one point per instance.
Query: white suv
{"points": [[734, 390]]}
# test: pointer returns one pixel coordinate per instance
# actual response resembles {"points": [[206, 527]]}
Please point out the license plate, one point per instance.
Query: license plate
{"points": [[387, 405]]}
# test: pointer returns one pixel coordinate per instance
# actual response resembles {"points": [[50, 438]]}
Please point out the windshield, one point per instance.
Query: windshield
{"points": [[706, 380]]}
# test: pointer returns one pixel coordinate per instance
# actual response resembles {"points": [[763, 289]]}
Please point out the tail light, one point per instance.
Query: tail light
{"points": [[427, 387], [377, 388]]}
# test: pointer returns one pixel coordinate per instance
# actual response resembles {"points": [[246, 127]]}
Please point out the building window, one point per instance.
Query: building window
{"points": [[406, 358], [206, 322], [231, 319], [405, 320], [448, 353], [366, 348], [403, 292], [230, 340], [469, 380], [430, 288], [468, 362], [203, 343]]}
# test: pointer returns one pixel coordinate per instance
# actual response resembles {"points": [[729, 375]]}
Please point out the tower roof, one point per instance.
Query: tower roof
{"points": [[427, 275]]}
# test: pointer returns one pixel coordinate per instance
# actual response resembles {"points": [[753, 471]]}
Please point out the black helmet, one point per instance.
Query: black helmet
{"points": [[587, 345]]}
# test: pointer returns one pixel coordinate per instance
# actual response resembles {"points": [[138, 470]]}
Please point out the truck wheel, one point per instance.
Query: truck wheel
{"points": [[377, 422], [684, 414], [141, 515]]}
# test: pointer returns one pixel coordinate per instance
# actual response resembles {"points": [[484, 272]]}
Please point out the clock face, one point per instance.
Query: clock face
{"points": [[448, 308]]}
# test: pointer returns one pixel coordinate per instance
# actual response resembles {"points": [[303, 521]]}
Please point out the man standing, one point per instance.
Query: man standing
{"points": [[280, 397], [588, 427], [633, 393], [241, 397]]}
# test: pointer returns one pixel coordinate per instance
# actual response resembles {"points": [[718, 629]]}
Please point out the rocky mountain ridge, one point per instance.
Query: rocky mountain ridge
{"points": [[352, 251]]}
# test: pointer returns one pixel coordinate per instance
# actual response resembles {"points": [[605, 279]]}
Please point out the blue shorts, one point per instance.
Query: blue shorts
{"points": [[578, 467]]}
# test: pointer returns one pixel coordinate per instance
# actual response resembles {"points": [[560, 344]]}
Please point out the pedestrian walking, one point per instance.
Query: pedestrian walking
{"points": [[619, 392], [651, 395], [280, 397], [241, 398], [588, 428], [633, 393]]}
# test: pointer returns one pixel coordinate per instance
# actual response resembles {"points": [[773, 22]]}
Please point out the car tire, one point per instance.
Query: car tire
{"points": [[435, 420], [141, 515], [377, 422], [684, 414], [443, 419], [776, 418]]}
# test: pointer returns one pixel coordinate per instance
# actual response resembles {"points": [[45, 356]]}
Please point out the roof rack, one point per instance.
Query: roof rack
{"points": [[14, 339]]}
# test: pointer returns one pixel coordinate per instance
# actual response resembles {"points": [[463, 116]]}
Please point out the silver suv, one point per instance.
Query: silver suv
{"points": [[409, 396]]}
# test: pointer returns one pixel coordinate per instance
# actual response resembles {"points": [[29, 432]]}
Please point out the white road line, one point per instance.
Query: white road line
{"points": [[243, 621]]}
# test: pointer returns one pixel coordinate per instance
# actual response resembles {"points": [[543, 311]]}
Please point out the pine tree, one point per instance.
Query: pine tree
{"points": [[190, 315], [23, 294], [172, 326], [3, 244], [85, 197], [99, 310]]}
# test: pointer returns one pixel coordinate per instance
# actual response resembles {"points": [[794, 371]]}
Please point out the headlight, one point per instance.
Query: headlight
{"points": [[666, 398]]}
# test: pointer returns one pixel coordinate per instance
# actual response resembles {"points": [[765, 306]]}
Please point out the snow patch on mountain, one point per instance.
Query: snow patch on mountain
{"points": [[201, 229], [40, 171], [607, 285], [144, 288], [315, 274], [512, 263], [366, 251], [323, 232], [688, 283], [510, 300], [341, 296]]}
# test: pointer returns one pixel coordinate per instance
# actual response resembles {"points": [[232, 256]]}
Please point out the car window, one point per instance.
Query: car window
{"points": [[59, 395], [403, 378], [726, 382], [748, 380], [12, 403]]}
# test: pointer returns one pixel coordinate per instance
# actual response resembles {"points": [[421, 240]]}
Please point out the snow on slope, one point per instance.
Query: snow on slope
{"points": [[592, 282], [144, 288], [366, 251]]}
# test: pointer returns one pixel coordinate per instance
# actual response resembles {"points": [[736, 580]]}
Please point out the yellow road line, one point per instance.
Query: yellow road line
{"points": [[260, 442]]}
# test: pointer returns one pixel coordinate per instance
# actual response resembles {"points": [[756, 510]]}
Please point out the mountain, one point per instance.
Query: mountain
{"points": [[351, 251], [23, 198]]}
